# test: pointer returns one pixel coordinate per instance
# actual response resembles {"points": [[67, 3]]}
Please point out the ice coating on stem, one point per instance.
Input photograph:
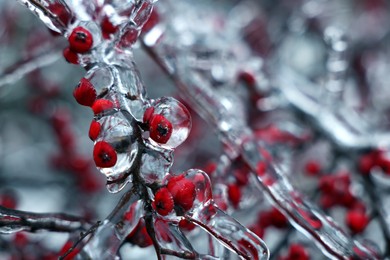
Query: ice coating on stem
{"points": [[230, 232], [169, 236], [55, 14], [105, 242]]}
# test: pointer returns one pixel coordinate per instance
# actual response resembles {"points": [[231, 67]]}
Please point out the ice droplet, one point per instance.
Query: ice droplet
{"points": [[120, 134], [178, 115], [155, 164], [101, 78]]}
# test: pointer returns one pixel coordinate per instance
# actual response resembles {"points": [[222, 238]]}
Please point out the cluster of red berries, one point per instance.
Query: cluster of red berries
{"points": [[269, 218], [179, 194], [85, 94], [81, 40], [374, 159], [335, 191]]}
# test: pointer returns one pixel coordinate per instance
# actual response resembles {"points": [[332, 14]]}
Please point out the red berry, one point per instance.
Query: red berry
{"points": [[297, 252], [163, 202], [85, 93], [258, 230], [148, 114], [247, 77], [102, 105], [261, 168], [107, 27], [183, 192], [94, 130], [356, 221], [366, 163], [234, 194], [151, 22], [70, 56], [186, 225], [20, 239], [80, 40], [312, 168], [278, 219], [104, 155], [160, 129], [383, 162], [139, 236], [8, 199]]}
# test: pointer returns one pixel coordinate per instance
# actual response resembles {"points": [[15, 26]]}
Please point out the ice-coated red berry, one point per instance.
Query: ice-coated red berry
{"points": [[234, 194], [183, 192], [85, 93], [297, 252], [70, 56], [94, 130], [104, 155], [261, 168], [148, 114], [160, 129], [102, 105], [163, 202], [247, 77], [356, 221], [80, 40], [312, 168], [277, 218], [107, 27], [186, 225], [152, 21], [139, 236]]}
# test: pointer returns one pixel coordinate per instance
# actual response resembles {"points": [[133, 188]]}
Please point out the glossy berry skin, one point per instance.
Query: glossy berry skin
{"points": [[139, 236], [148, 114], [153, 20], [80, 40], [94, 130], [70, 56], [101, 105], [104, 155], [85, 93], [312, 168], [356, 221], [297, 252], [160, 129], [163, 202], [107, 27], [234, 194], [183, 192]]}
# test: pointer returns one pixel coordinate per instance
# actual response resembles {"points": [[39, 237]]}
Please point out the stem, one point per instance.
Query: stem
{"points": [[16, 220]]}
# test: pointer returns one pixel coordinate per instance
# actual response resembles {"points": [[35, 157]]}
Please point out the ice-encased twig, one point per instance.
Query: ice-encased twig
{"points": [[23, 67], [107, 239], [12, 221]]}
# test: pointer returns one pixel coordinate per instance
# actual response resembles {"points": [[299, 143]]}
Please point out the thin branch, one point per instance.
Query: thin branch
{"points": [[18, 70], [16, 220], [82, 236]]}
